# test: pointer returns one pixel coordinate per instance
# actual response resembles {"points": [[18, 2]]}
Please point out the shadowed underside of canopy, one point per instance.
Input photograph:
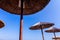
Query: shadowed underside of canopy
{"points": [[29, 6], [41, 25], [53, 30]]}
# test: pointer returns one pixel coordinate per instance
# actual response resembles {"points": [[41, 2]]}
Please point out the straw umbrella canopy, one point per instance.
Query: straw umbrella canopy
{"points": [[53, 30], [41, 26], [23, 7], [2, 24], [29, 6]]}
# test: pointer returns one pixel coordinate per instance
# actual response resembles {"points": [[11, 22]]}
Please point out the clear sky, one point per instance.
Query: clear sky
{"points": [[51, 13]]}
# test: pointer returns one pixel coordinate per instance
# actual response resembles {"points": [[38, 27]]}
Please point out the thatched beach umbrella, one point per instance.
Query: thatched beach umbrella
{"points": [[2, 24], [53, 30], [41, 26], [23, 7], [57, 38]]}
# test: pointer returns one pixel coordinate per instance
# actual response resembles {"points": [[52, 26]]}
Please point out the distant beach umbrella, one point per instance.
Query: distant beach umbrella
{"points": [[57, 38], [41, 26], [23, 7], [29, 6], [53, 30], [1, 24]]}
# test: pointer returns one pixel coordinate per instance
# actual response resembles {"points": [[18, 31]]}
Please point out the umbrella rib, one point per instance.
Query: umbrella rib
{"points": [[19, 5]]}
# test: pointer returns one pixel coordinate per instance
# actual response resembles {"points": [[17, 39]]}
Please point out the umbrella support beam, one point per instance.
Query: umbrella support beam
{"points": [[21, 21], [42, 33]]}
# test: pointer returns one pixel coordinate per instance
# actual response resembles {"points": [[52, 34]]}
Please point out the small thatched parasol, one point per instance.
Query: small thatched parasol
{"points": [[56, 38], [53, 30], [41, 25]]}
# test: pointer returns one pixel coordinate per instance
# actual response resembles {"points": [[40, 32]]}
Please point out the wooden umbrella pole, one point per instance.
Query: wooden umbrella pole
{"points": [[21, 21], [42, 33]]}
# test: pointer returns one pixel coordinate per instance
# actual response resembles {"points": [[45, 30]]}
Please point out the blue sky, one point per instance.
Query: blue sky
{"points": [[51, 13]]}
